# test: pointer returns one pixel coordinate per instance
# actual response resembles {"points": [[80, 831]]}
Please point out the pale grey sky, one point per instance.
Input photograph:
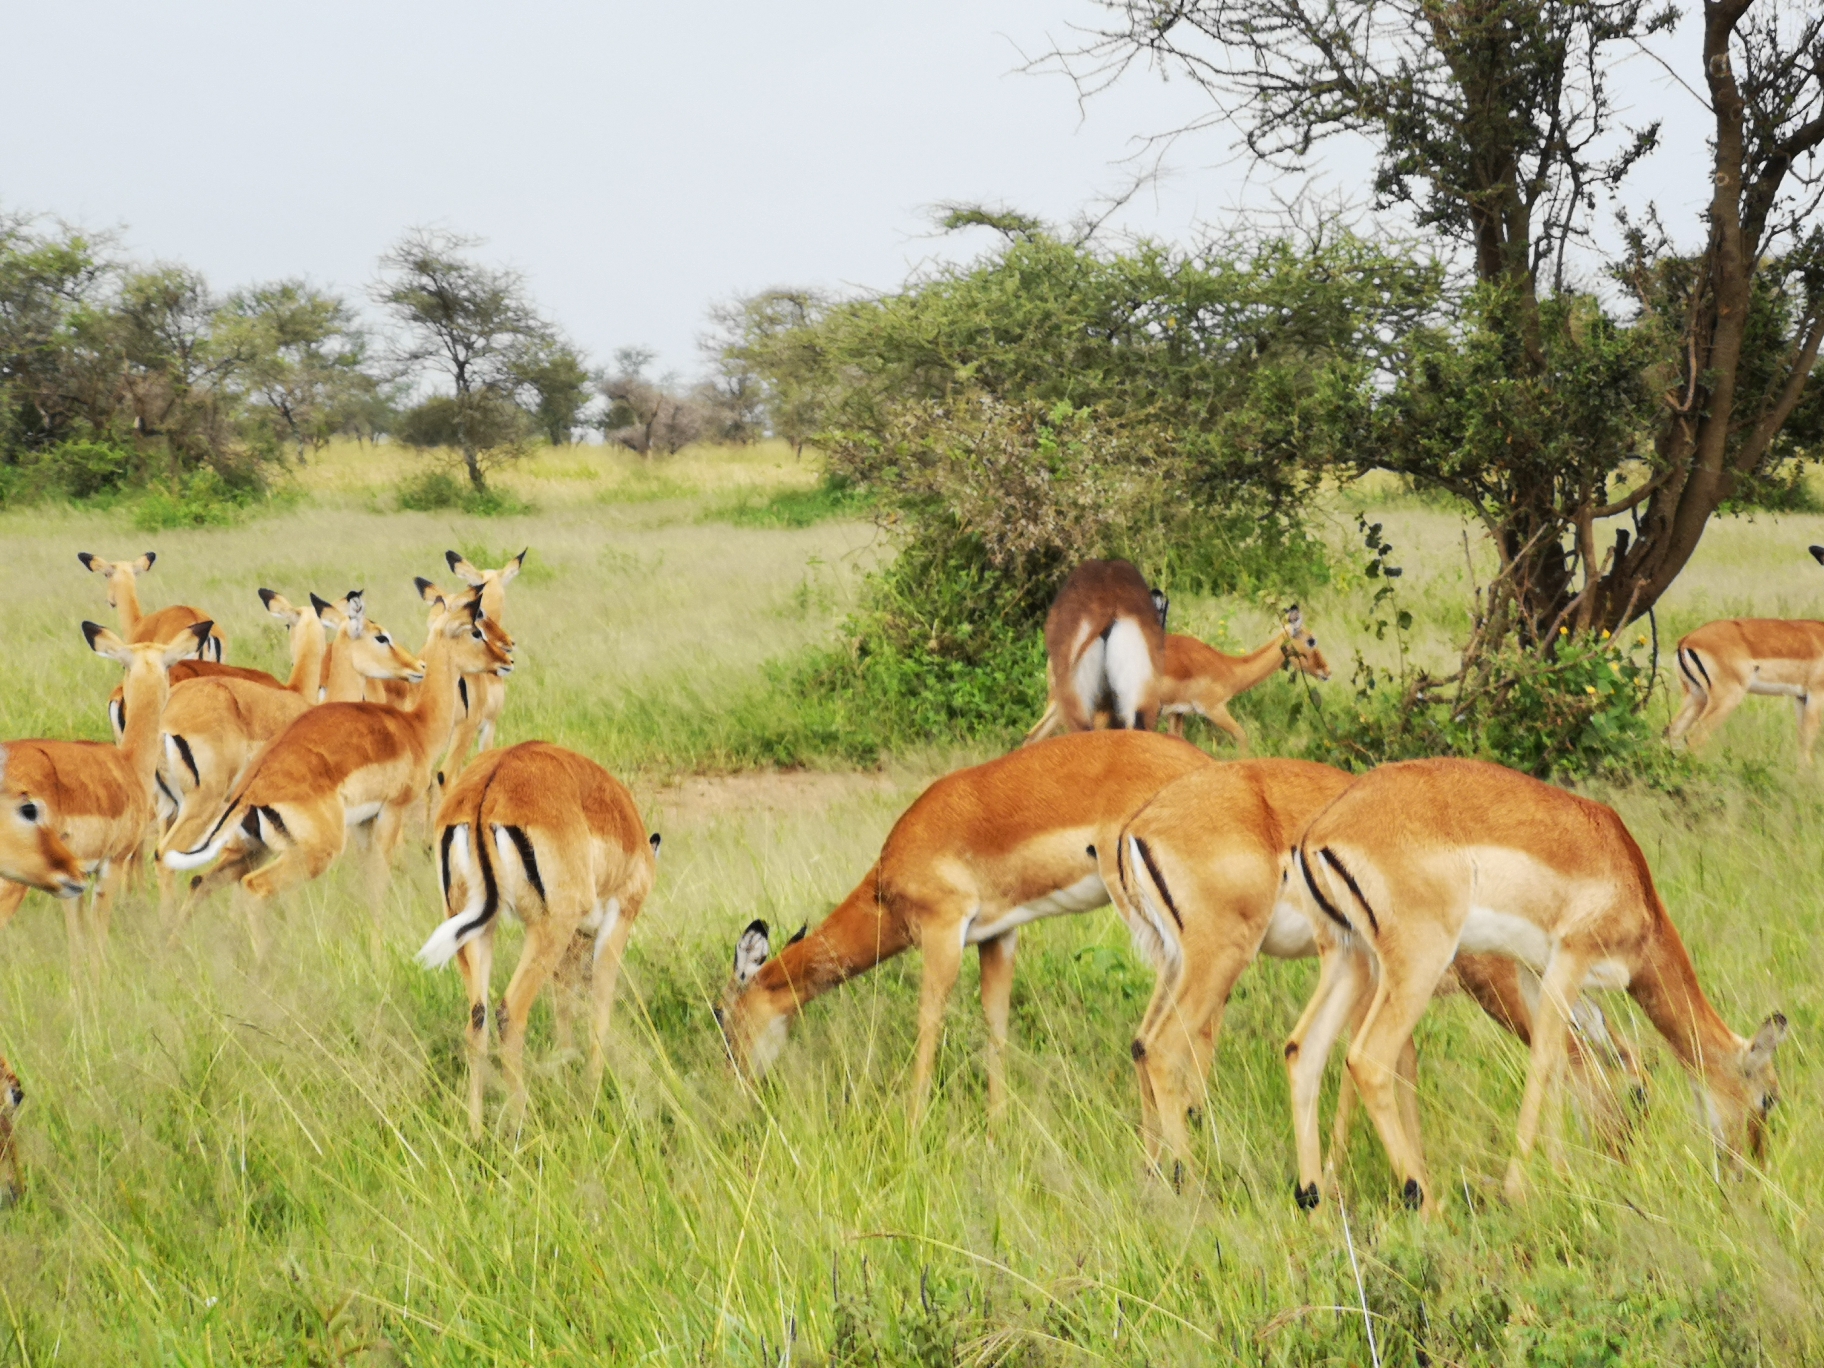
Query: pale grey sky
{"points": [[636, 161]]}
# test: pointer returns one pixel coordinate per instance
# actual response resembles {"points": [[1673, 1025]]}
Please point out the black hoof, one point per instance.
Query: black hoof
{"points": [[1306, 1196], [1413, 1195]]}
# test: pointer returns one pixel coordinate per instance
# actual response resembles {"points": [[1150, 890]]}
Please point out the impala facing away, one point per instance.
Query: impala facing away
{"points": [[346, 764], [557, 841], [166, 624], [1196, 875], [1721, 663], [980, 853], [1104, 648], [1420, 860], [99, 795]]}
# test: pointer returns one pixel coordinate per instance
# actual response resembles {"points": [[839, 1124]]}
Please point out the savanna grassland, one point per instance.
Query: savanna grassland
{"points": [[242, 1161]]}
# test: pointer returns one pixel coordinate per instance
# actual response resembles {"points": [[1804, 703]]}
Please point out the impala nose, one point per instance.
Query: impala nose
{"points": [[69, 888]]}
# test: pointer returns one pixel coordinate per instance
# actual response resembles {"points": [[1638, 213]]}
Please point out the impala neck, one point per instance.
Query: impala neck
{"points": [[126, 602], [144, 697], [434, 710], [854, 938], [308, 646], [1665, 985], [340, 682]]}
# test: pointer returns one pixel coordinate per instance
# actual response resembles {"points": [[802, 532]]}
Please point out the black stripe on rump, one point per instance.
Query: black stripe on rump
{"points": [[271, 814], [1304, 868], [183, 752], [1329, 857], [449, 834], [1698, 661], [524, 844], [1146, 857], [1121, 863]]}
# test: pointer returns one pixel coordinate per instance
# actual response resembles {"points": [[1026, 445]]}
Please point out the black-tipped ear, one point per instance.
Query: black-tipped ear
{"points": [[319, 605], [452, 557], [151, 557], [751, 951], [91, 630], [86, 556], [202, 629], [520, 559], [355, 594], [421, 584], [653, 841], [798, 935], [1817, 554], [267, 596]]}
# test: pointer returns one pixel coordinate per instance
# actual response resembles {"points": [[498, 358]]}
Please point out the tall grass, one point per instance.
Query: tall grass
{"points": [[233, 1161]]}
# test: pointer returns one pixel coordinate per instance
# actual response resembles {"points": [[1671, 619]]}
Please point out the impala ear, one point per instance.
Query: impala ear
{"points": [[144, 563], [1759, 1053], [513, 567], [1817, 554], [652, 840], [751, 952], [1161, 605], [190, 642], [320, 605], [460, 567], [1295, 619], [356, 599], [92, 562], [798, 935], [427, 591], [105, 643]]}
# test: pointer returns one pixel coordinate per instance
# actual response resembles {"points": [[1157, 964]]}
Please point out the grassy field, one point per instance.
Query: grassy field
{"points": [[234, 1161]]}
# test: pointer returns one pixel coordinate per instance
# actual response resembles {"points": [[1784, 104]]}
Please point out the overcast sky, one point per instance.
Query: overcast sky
{"points": [[636, 161]]}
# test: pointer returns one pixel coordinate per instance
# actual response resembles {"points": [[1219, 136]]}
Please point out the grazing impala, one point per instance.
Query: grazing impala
{"points": [[1419, 860], [978, 855], [1104, 648], [346, 764], [1721, 663], [99, 796], [556, 840], [166, 624], [12, 1097], [1196, 875]]}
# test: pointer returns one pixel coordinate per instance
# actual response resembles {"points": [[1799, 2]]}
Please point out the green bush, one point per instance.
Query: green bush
{"points": [[833, 497], [435, 490], [200, 499]]}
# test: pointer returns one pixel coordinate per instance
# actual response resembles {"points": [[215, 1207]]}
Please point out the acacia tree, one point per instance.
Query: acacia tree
{"points": [[1493, 122], [475, 323], [304, 358], [556, 382]]}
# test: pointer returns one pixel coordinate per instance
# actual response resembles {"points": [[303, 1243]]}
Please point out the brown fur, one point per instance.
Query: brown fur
{"points": [[596, 867], [485, 694], [1423, 841], [973, 848], [1097, 596], [12, 1177], [1721, 663]]}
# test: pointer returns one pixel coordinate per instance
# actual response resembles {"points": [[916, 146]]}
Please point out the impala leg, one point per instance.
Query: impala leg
{"points": [[108, 881], [476, 960], [1176, 1054], [1345, 1088], [1378, 1057], [1174, 723], [537, 962], [1811, 713], [385, 843], [997, 1004], [1692, 709], [569, 985], [11, 895], [1342, 981], [1223, 718], [1725, 698], [1539, 1107], [606, 974], [943, 956]]}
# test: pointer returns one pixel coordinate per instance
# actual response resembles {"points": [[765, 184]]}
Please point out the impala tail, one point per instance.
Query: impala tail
{"points": [[465, 867], [257, 826], [1157, 924]]}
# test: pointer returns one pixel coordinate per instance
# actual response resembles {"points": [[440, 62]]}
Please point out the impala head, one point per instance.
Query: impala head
{"points": [[147, 658], [118, 575], [481, 644], [753, 1019], [374, 651], [1743, 1092], [492, 583], [12, 1096], [31, 852], [1301, 649]]}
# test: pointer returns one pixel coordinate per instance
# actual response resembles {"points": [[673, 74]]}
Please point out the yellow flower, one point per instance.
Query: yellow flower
{"points": [[1589, 688], [1564, 631], [1640, 641], [1605, 633]]}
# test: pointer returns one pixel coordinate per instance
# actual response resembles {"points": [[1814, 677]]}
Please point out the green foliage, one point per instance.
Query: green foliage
{"points": [[833, 497], [199, 499], [76, 469], [433, 490]]}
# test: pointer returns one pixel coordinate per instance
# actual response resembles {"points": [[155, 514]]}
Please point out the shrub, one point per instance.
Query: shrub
{"points": [[431, 491], [200, 499]]}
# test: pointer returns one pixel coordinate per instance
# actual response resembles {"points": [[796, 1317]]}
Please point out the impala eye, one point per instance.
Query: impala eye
{"points": [[384, 640], [29, 811], [1311, 641], [476, 634]]}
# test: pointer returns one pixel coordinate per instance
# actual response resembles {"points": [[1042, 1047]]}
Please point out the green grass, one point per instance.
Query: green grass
{"points": [[239, 1162]]}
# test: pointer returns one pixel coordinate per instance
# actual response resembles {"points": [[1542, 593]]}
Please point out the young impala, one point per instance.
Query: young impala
{"points": [[1196, 875], [346, 764], [1104, 650], [99, 795], [1420, 860], [166, 624], [1721, 663], [981, 852], [556, 840]]}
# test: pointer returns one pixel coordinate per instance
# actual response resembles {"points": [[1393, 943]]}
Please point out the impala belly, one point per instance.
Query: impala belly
{"points": [[1086, 893], [1488, 931], [1289, 934]]}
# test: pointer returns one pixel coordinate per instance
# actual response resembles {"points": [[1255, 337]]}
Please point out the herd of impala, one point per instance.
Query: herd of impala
{"points": [[1414, 879]]}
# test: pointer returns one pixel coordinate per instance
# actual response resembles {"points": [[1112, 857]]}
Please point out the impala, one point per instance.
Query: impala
{"points": [[1419, 860], [1104, 649], [32, 854], [347, 764], [1196, 875], [556, 840], [980, 853], [360, 650], [487, 692], [99, 795], [12, 1097], [166, 624], [1721, 663]]}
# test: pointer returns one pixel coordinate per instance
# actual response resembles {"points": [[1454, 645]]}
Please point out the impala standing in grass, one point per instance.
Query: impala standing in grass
{"points": [[1104, 650], [164, 624]]}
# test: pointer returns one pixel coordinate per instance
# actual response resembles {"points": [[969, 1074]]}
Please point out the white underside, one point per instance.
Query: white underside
{"points": [[361, 812], [1768, 686], [1487, 931], [1086, 893], [1289, 934]]}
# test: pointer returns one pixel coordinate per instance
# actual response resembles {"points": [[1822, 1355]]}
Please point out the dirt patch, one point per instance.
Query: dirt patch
{"points": [[702, 797]]}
